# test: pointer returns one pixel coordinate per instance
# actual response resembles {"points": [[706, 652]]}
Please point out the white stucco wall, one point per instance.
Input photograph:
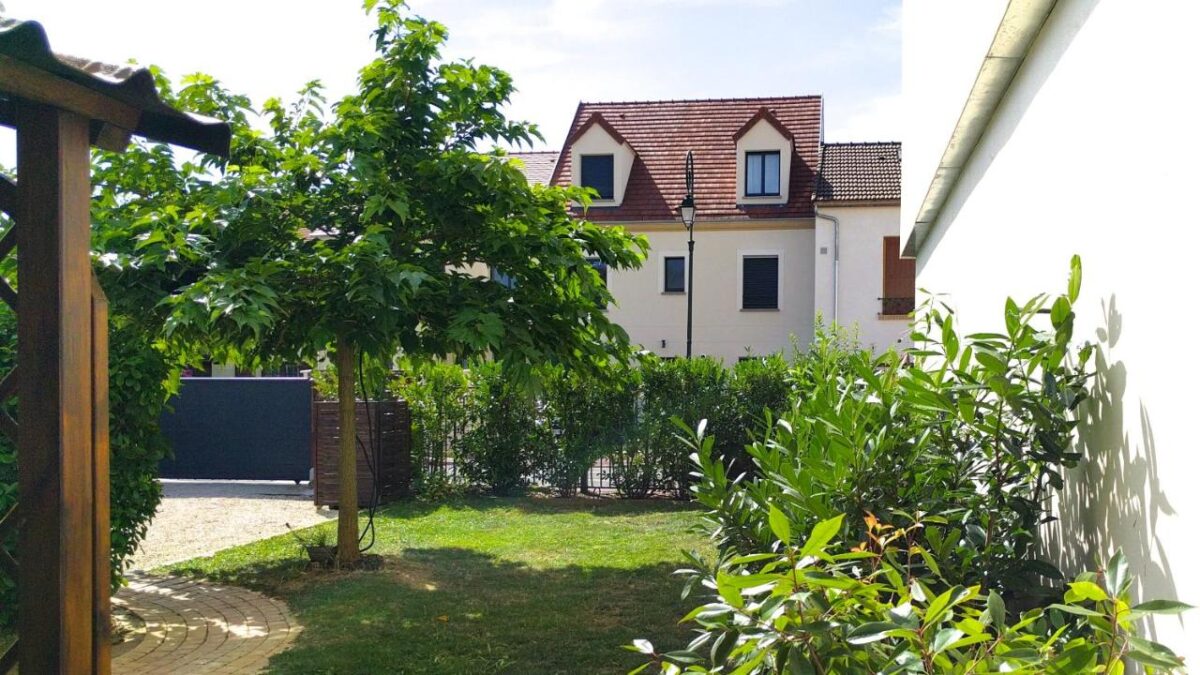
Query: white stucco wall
{"points": [[720, 328], [860, 283], [1092, 152]]}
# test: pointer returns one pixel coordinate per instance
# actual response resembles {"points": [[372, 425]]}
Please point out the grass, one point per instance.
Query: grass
{"points": [[483, 586]]}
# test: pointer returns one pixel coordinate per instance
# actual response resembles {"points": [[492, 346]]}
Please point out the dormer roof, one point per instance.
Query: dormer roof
{"points": [[763, 114]]}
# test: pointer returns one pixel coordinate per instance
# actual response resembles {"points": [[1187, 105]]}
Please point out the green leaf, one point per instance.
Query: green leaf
{"points": [[1116, 575], [1075, 280], [870, 632], [1079, 591], [1162, 607], [996, 612], [822, 533], [779, 524], [944, 638]]}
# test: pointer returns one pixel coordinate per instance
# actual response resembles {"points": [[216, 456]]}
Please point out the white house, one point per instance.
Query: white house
{"points": [[787, 229], [1041, 129]]}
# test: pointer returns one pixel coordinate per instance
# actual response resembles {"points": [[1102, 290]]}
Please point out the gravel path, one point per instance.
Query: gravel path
{"points": [[199, 518]]}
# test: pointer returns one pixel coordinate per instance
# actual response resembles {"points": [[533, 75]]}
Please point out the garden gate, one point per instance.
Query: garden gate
{"points": [[240, 428]]}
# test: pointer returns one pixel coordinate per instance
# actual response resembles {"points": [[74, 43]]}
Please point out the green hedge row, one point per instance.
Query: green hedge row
{"points": [[477, 426]]}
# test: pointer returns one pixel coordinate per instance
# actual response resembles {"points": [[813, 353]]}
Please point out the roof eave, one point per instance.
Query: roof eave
{"points": [[1020, 26]]}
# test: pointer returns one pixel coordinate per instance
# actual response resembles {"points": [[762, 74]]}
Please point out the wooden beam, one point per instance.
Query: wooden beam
{"points": [[54, 350], [26, 82], [8, 198], [101, 532]]}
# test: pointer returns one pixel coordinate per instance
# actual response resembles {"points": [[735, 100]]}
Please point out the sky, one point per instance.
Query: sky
{"points": [[559, 52]]}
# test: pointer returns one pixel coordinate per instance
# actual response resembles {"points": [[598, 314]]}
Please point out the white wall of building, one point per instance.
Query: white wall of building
{"points": [[860, 283], [1092, 152], [720, 327]]}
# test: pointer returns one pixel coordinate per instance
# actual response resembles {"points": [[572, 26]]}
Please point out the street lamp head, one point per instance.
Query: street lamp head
{"points": [[687, 211]]}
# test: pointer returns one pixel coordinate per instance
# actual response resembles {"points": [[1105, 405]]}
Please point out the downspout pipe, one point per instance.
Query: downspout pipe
{"points": [[837, 254]]}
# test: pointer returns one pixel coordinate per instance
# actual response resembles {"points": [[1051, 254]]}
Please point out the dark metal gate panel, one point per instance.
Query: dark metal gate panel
{"points": [[240, 428]]}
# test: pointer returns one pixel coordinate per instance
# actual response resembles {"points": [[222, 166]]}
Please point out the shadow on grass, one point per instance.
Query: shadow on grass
{"points": [[453, 610]]}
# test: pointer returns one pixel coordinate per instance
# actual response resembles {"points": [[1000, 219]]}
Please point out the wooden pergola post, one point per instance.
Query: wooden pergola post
{"points": [[61, 107], [54, 327]]}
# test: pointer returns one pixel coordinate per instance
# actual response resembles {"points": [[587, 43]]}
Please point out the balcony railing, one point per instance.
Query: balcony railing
{"points": [[897, 306]]}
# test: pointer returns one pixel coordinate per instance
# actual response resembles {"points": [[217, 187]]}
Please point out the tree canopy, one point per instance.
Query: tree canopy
{"points": [[368, 220]]}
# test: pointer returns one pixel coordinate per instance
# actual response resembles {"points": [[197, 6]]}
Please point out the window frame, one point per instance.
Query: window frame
{"points": [[761, 155], [612, 179], [741, 273], [662, 277]]}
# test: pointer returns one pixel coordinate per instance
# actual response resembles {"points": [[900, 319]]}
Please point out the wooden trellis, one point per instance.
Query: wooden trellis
{"points": [[60, 107]]}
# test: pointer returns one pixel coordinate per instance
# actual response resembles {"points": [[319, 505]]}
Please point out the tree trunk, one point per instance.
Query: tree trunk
{"points": [[347, 553]]}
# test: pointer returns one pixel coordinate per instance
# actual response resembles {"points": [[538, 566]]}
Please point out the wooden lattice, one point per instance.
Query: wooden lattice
{"points": [[8, 389]]}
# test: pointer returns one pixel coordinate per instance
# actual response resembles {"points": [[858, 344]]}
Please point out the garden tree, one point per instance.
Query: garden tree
{"points": [[355, 232]]}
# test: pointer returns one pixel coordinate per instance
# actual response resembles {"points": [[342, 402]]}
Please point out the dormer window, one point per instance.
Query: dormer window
{"points": [[762, 174], [596, 172]]}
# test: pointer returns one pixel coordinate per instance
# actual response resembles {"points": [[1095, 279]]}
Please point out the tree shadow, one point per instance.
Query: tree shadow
{"points": [[455, 610], [1113, 499]]}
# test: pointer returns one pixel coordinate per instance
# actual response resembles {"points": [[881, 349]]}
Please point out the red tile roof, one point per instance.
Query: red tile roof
{"points": [[661, 133], [853, 172], [537, 166]]}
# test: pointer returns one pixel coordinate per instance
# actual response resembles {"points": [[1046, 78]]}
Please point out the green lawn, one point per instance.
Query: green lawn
{"points": [[483, 586]]}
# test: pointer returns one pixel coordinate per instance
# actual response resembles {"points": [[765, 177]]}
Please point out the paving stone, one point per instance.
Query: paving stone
{"points": [[196, 627]]}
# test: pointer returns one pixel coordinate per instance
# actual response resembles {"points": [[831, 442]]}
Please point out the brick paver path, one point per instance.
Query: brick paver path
{"points": [[198, 627]]}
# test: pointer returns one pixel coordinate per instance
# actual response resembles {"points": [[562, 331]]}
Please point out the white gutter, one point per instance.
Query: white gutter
{"points": [[1021, 24], [837, 254]]}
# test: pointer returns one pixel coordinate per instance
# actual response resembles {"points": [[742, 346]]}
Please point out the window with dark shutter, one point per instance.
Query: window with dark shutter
{"points": [[596, 172], [760, 282], [674, 273], [899, 280]]}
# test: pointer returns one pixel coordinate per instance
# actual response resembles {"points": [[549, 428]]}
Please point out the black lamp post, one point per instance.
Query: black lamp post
{"points": [[687, 213]]}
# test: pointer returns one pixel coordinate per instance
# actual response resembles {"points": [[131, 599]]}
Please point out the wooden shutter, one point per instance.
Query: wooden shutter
{"points": [[899, 279], [760, 282]]}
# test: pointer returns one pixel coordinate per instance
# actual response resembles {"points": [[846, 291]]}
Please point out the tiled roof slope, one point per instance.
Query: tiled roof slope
{"points": [[538, 167], [859, 172], [661, 133]]}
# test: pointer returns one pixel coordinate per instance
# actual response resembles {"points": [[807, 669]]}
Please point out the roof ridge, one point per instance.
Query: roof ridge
{"points": [[793, 97], [828, 143]]}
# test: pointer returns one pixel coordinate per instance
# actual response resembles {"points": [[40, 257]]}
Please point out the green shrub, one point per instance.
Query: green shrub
{"points": [[690, 390], [438, 396], [507, 435], [941, 461], [138, 378], [811, 606], [591, 418]]}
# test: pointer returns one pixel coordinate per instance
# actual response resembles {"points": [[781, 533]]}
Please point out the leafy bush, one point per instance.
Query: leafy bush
{"points": [[811, 607], [438, 396], [941, 461], [508, 434], [138, 379], [691, 390], [972, 433], [591, 418]]}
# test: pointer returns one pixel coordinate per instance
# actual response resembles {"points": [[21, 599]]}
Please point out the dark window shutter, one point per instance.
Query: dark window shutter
{"points": [[674, 270], [899, 279], [760, 282], [597, 173]]}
